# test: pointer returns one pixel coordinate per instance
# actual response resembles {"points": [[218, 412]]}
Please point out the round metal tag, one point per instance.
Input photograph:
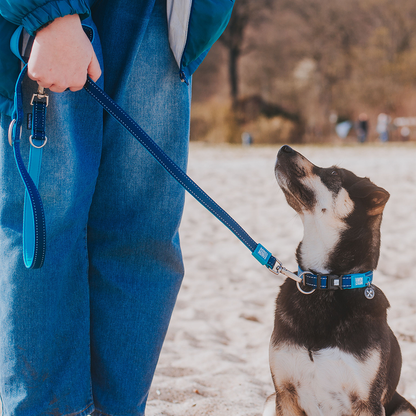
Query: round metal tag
{"points": [[369, 292]]}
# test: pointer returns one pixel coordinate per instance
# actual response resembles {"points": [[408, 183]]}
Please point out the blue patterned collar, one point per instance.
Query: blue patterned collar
{"points": [[333, 282]]}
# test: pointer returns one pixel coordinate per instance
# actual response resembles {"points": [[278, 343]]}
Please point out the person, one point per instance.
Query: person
{"points": [[82, 335], [405, 133], [362, 127], [246, 139], [383, 126]]}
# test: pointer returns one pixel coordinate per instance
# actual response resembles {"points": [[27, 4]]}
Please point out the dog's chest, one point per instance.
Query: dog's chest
{"points": [[327, 382]]}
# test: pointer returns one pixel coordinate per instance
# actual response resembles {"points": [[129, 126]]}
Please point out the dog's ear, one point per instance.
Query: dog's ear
{"points": [[374, 196]]}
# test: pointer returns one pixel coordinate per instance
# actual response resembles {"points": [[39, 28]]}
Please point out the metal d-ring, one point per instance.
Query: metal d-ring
{"points": [[38, 147], [301, 275], [10, 131]]}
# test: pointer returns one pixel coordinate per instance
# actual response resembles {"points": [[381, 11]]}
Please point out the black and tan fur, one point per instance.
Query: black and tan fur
{"points": [[332, 352]]}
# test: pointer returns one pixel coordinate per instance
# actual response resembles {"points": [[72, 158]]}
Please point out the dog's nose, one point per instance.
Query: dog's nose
{"points": [[286, 149]]}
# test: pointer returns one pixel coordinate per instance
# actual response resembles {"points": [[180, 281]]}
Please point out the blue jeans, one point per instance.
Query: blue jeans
{"points": [[83, 334]]}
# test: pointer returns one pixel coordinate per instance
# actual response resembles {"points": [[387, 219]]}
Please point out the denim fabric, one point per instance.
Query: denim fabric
{"points": [[83, 334]]}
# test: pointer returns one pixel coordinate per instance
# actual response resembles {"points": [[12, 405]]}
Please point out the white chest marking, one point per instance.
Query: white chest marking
{"points": [[326, 385]]}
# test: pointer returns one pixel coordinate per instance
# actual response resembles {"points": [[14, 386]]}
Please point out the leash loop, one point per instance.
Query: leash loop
{"points": [[34, 224]]}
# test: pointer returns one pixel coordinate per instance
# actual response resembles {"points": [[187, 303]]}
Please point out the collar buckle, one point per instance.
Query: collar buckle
{"points": [[333, 282]]}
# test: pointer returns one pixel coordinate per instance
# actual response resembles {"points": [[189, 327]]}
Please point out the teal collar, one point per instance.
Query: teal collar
{"points": [[333, 282]]}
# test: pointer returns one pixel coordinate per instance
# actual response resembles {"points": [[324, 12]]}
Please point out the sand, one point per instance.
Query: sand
{"points": [[215, 357]]}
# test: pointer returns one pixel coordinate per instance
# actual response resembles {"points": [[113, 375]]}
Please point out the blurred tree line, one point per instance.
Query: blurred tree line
{"points": [[287, 69]]}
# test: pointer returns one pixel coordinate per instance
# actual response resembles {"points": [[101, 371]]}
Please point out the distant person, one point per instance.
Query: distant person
{"points": [[362, 127], [342, 129], [383, 122], [246, 139], [405, 133]]}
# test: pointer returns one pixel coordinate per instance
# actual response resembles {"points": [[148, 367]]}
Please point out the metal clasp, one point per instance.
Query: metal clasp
{"points": [[276, 268], [279, 269], [10, 132], [40, 95]]}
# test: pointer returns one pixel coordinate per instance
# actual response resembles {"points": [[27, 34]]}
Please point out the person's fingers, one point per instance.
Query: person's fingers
{"points": [[62, 56], [76, 87], [94, 69], [41, 83], [56, 88]]}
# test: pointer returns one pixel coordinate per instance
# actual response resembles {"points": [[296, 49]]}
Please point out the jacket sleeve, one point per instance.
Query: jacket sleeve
{"points": [[194, 26], [33, 14]]}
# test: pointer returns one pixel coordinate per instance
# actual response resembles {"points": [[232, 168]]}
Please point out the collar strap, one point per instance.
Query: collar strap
{"points": [[333, 282]]}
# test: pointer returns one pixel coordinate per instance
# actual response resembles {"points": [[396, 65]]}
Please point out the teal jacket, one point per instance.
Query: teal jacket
{"points": [[194, 25]]}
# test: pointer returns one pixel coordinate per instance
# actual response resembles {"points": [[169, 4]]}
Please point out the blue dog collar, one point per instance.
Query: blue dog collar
{"points": [[333, 282]]}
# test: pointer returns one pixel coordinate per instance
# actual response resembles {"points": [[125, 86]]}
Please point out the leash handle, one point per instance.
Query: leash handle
{"points": [[112, 108], [34, 224]]}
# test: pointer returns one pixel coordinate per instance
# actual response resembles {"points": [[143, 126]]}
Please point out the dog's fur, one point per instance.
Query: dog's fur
{"points": [[332, 352]]}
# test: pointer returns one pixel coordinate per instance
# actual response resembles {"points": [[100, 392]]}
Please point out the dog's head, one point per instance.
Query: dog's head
{"points": [[341, 214]]}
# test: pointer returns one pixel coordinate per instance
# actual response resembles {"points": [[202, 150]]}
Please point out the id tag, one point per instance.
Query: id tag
{"points": [[369, 292]]}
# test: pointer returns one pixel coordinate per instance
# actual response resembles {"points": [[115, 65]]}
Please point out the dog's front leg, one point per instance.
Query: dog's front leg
{"points": [[281, 405], [270, 406]]}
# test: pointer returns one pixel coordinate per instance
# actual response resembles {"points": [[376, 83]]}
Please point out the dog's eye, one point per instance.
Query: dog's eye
{"points": [[334, 173]]}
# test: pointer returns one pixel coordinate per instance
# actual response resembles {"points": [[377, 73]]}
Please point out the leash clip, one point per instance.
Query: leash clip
{"points": [[39, 96], [279, 269]]}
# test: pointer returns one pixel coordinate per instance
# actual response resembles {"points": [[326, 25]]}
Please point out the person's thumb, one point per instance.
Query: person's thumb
{"points": [[94, 69]]}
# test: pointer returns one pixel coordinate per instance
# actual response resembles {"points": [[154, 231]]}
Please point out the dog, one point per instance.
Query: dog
{"points": [[332, 352]]}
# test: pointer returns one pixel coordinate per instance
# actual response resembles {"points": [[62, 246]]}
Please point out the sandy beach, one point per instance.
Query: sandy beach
{"points": [[215, 358]]}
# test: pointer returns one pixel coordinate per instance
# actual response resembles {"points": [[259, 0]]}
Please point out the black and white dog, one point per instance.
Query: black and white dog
{"points": [[332, 352]]}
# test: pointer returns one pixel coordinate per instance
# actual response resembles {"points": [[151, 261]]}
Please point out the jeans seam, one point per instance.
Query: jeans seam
{"points": [[88, 271], [86, 244], [100, 413], [91, 405]]}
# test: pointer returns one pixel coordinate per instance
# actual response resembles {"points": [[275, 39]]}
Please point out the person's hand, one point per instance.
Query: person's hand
{"points": [[62, 56]]}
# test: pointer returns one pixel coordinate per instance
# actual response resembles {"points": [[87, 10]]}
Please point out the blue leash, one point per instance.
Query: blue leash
{"points": [[34, 228], [258, 251], [34, 220]]}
